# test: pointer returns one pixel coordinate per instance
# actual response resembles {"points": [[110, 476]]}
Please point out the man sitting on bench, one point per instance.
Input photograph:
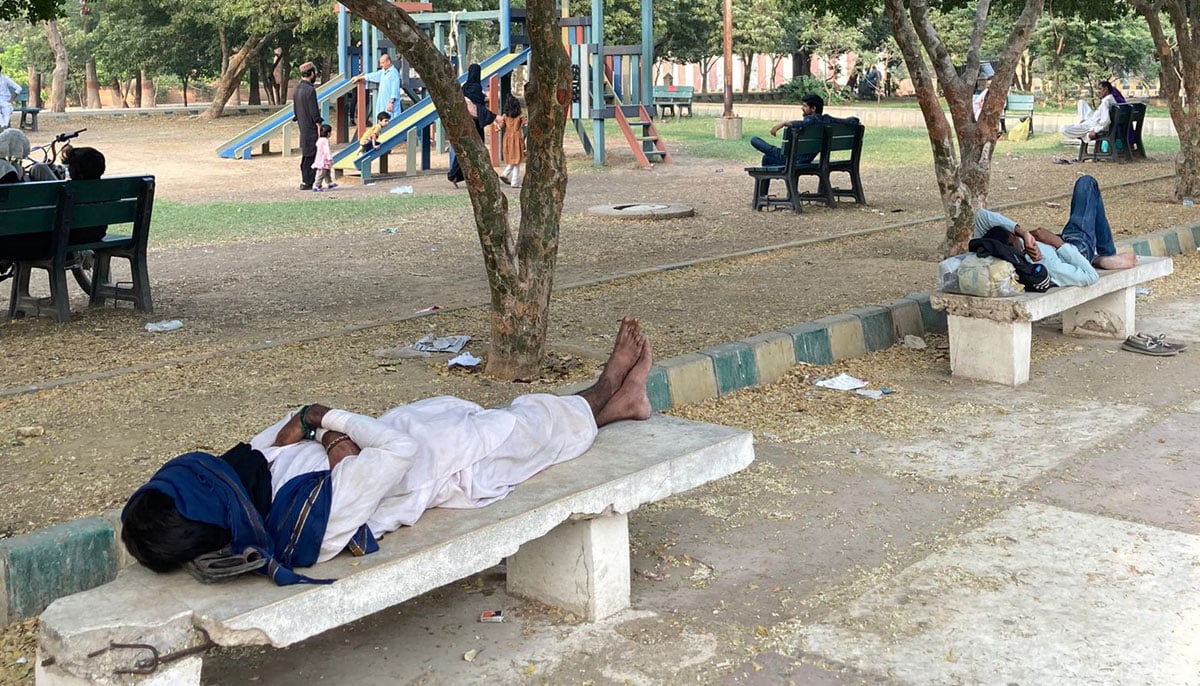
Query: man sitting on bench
{"points": [[1071, 257], [813, 108], [323, 480]]}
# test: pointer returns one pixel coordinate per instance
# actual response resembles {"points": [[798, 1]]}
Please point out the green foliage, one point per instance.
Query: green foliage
{"points": [[12, 60], [803, 85], [31, 11], [1071, 53]]}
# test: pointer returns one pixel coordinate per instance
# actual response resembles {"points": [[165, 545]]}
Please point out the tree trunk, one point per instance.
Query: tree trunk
{"points": [[184, 82], [746, 61], [520, 272], [279, 72], [91, 85], [136, 87], [147, 90], [962, 180], [35, 86], [58, 78], [1179, 69], [231, 77], [255, 96]]}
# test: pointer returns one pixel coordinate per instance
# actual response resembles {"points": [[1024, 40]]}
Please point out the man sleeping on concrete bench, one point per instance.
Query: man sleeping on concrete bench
{"points": [[1071, 257], [322, 480]]}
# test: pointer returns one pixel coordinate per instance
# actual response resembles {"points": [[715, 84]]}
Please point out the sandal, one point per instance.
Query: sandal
{"points": [[223, 565], [1161, 340], [1148, 346]]}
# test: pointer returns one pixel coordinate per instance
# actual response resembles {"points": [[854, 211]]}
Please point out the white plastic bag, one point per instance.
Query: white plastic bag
{"points": [[987, 277], [947, 276]]}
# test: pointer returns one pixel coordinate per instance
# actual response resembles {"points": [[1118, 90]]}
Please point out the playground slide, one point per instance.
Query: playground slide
{"points": [[243, 144], [420, 115]]}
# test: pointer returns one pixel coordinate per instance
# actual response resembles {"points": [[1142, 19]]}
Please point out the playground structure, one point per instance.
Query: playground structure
{"points": [[608, 82]]}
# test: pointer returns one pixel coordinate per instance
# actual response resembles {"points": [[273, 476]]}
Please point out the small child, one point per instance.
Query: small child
{"points": [[512, 123], [324, 161], [370, 137]]}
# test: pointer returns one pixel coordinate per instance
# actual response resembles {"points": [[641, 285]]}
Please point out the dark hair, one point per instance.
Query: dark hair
{"points": [[814, 101], [326, 129], [384, 115], [512, 107], [156, 535], [84, 164]]}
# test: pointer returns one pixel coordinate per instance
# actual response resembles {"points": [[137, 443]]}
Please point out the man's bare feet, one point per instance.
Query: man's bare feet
{"points": [[626, 350], [1124, 260], [631, 400]]}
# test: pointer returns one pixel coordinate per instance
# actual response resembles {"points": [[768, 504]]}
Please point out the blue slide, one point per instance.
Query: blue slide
{"points": [[242, 145], [421, 114]]}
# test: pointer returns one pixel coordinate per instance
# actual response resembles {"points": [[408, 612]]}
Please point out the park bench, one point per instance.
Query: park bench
{"points": [[564, 533], [1114, 141], [1017, 105], [838, 148], [675, 98], [29, 115], [54, 207], [990, 337]]}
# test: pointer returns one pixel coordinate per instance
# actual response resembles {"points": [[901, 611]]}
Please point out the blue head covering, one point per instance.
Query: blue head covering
{"points": [[206, 489]]}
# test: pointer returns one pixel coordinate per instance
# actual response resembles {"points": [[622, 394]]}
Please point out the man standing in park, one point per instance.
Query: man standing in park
{"points": [[308, 116], [387, 97], [9, 89]]}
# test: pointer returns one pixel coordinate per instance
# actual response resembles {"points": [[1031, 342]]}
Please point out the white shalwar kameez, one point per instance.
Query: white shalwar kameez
{"points": [[438, 452], [1090, 120]]}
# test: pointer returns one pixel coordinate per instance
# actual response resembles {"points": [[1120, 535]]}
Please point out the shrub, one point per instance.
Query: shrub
{"points": [[803, 85]]}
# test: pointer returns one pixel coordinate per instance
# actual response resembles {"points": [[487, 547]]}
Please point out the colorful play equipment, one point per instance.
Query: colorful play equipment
{"points": [[608, 82], [613, 81]]}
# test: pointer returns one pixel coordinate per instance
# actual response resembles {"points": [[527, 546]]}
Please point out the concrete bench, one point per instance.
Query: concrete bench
{"points": [[565, 533], [990, 337]]}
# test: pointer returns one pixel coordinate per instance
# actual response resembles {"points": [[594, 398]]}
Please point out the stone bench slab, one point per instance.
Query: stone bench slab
{"points": [[630, 464]]}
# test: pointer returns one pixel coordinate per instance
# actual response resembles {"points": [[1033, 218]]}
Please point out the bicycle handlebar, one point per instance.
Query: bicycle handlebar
{"points": [[64, 137]]}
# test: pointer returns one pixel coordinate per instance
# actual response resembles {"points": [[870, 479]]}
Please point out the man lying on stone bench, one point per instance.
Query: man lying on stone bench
{"points": [[1072, 257], [322, 480]]}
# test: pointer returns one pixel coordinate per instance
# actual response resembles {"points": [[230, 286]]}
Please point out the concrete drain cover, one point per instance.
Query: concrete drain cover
{"points": [[646, 210]]}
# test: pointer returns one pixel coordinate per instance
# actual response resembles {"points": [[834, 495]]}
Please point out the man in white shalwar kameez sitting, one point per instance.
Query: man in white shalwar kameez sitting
{"points": [[323, 480]]}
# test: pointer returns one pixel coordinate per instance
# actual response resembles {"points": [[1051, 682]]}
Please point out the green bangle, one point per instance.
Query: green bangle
{"points": [[309, 431]]}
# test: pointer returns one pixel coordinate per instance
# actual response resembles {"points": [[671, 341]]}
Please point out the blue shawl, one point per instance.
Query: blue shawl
{"points": [[206, 489]]}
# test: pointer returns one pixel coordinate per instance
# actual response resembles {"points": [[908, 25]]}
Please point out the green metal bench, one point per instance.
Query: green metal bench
{"points": [[1017, 105], [53, 207], [676, 98], [837, 147], [29, 115]]}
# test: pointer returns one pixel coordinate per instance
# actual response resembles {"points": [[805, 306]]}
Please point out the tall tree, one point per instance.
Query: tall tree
{"points": [[1178, 55], [520, 267], [58, 78], [32, 11], [962, 147]]}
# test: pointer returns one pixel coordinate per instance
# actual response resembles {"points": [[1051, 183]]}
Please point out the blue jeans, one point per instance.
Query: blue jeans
{"points": [[1088, 228], [772, 154]]}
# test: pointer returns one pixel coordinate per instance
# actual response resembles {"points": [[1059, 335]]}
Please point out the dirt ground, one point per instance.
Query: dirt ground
{"points": [[272, 323]]}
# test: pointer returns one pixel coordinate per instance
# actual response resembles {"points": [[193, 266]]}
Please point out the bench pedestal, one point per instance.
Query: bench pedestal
{"points": [[1109, 316], [989, 351], [581, 566], [185, 672]]}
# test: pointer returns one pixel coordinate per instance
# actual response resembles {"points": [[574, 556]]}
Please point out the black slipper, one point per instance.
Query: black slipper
{"points": [[1148, 346]]}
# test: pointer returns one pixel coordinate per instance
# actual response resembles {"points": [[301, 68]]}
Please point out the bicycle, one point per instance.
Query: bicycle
{"points": [[81, 263]]}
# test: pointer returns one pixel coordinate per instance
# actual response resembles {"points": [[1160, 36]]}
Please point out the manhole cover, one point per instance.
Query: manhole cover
{"points": [[643, 210]]}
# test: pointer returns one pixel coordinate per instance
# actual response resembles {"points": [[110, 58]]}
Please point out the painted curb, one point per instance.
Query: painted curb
{"points": [[41, 566]]}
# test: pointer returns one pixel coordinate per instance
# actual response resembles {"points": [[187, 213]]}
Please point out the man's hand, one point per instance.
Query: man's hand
{"points": [[1091, 135], [293, 432], [1047, 237], [775, 129]]}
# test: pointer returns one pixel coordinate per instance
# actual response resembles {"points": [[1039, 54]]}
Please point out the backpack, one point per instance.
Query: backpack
{"points": [[1033, 276]]}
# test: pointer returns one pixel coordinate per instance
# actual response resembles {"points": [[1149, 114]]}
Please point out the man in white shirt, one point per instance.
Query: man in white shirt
{"points": [[1092, 122], [9, 89], [322, 480]]}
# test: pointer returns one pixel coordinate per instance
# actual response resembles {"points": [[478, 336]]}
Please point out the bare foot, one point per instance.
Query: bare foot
{"points": [[1125, 260], [630, 401], [626, 350]]}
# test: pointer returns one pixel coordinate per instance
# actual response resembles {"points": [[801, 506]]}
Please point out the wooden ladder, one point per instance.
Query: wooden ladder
{"points": [[646, 144]]}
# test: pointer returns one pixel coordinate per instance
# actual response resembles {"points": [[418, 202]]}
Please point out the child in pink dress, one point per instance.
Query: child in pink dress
{"points": [[324, 161]]}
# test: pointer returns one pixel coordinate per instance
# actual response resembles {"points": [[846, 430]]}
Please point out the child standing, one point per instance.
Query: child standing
{"points": [[370, 137], [324, 161], [512, 123]]}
